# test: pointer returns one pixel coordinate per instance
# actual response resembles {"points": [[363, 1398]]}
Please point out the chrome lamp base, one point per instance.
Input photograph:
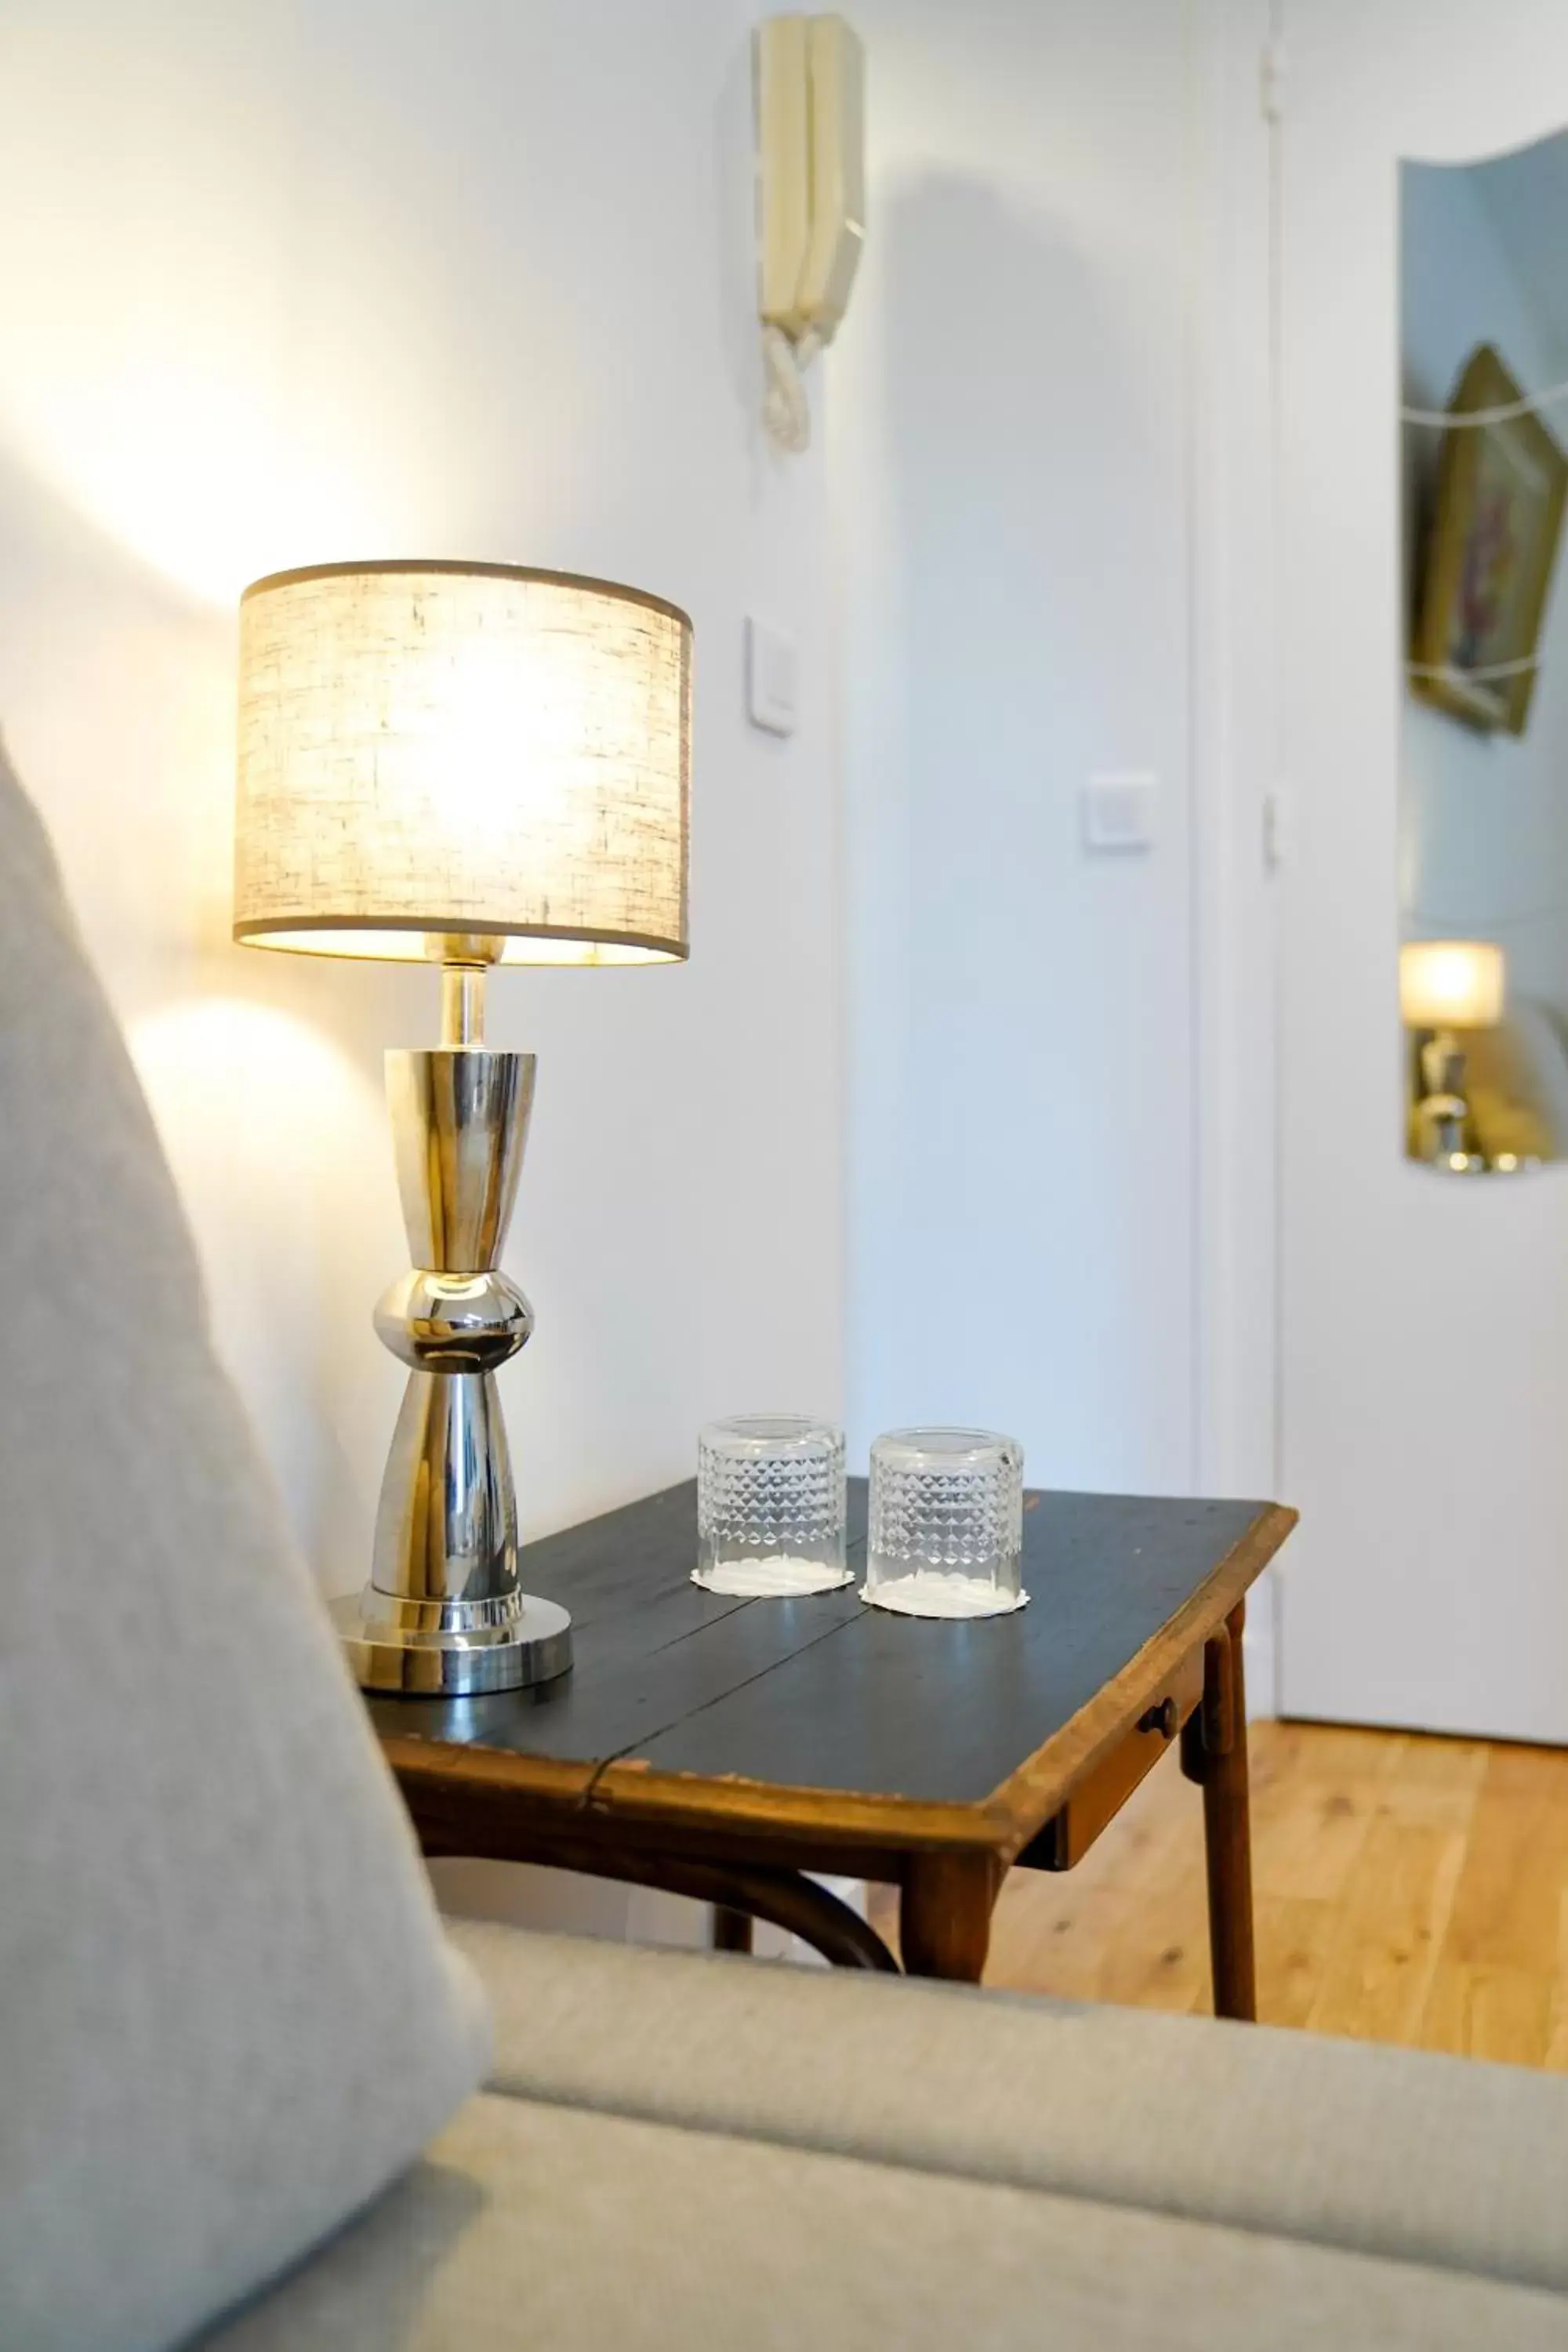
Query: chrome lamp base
{"points": [[453, 1661], [443, 1614]]}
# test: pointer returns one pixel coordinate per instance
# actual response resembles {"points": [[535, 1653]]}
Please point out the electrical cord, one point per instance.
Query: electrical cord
{"points": [[1482, 675], [1504, 413], [786, 412]]}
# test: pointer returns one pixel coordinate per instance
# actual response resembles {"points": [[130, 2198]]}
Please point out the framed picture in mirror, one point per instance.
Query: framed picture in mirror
{"points": [[1486, 564]]}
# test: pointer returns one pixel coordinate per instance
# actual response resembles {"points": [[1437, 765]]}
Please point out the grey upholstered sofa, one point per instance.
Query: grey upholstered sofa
{"points": [[252, 2094], [682, 2151]]}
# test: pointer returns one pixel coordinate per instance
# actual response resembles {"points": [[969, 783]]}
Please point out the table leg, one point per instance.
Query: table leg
{"points": [[731, 1929], [1217, 1757], [944, 1915]]}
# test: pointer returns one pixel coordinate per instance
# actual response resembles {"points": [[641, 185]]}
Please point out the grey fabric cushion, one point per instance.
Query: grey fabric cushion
{"points": [[1435, 2160], [227, 2014], [537, 2227]]}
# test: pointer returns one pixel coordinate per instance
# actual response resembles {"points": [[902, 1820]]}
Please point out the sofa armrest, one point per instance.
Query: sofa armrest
{"points": [[1436, 2161]]}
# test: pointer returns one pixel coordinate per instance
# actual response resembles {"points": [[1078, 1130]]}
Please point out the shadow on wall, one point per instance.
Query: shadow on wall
{"points": [[1023, 1015], [117, 700]]}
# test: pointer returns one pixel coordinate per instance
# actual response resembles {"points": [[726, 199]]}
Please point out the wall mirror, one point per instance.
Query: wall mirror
{"points": [[1483, 813]]}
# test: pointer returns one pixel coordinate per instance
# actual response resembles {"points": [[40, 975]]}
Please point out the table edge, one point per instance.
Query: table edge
{"points": [[1037, 1789]]}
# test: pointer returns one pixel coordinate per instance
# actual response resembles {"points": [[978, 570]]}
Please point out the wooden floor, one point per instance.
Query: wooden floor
{"points": [[1409, 1890]]}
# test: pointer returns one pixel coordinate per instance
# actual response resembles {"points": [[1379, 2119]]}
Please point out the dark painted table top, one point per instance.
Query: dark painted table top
{"points": [[825, 1694]]}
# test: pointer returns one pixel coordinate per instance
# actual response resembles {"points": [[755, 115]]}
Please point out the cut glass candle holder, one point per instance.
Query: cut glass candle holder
{"points": [[946, 1532], [771, 1506]]}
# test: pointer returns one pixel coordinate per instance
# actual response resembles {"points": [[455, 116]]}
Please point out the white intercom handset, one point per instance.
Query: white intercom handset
{"points": [[811, 200]]}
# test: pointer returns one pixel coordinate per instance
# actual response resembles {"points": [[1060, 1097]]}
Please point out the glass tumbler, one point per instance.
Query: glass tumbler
{"points": [[946, 1535], [770, 1506]]}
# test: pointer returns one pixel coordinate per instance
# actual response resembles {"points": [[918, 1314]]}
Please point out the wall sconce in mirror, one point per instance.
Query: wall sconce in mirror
{"points": [[1446, 986], [1483, 781]]}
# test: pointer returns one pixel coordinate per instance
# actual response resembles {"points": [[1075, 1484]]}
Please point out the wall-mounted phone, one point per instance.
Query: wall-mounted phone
{"points": [[811, 200]]}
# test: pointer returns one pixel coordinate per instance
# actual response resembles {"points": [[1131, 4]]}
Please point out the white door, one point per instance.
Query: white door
{"points": [[1424, 1319]]}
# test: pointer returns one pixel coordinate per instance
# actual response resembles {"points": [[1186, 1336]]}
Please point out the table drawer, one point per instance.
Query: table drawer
{"points": [[1065, 1839]]}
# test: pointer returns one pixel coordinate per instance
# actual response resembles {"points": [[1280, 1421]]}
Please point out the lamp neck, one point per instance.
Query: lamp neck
{"points": [[464, 957], [1443, 1063], [462, 1005]]}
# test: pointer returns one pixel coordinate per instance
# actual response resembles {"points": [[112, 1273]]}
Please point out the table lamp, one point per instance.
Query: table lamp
{"points": [[1444, 985], [468, 764]]}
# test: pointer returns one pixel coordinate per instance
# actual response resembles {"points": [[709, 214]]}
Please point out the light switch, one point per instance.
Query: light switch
{"points": [[1119, 811], [770, 677]]}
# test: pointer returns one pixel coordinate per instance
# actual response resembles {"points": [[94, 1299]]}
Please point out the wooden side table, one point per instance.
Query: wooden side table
{"points": [[725, 1749]]}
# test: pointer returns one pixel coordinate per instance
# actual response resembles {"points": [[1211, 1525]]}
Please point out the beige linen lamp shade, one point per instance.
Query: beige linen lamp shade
{"points": [[431, 749], [1451, 983]]}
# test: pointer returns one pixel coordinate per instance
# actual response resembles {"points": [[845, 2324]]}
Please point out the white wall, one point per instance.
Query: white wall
{"points": [[1425, 1324], [1010, 463], [367, 276]]}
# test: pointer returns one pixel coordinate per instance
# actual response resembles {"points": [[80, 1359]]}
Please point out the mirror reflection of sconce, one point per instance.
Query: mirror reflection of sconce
{"points": [[1446, 985]]}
